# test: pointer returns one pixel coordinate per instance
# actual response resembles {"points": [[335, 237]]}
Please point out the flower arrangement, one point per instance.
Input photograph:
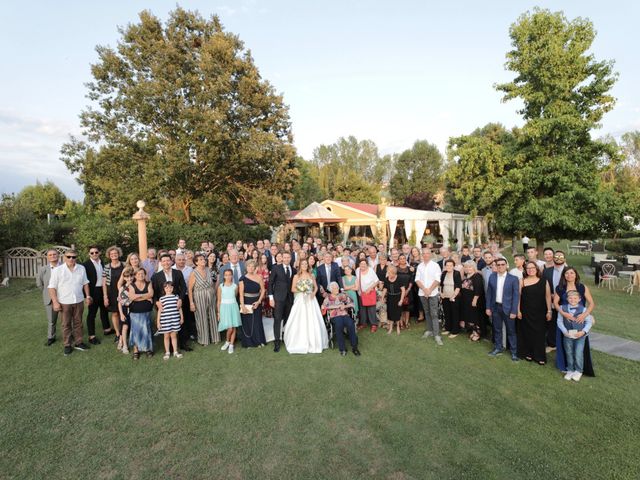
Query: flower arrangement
{"points": [[304, 286]]}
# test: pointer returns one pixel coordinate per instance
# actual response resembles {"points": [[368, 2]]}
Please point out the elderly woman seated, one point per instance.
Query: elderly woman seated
{"points": [[337, 304]]}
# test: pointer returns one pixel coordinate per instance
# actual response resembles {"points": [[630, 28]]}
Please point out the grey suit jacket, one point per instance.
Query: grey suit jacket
{"points": [[42, 281]]}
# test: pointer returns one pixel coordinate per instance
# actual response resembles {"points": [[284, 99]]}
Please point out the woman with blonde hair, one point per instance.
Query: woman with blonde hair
{"points": [[111, 274]]}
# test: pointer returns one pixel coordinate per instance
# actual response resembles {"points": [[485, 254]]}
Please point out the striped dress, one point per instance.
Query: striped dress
{"points": [[170, 316], [204, 296]]}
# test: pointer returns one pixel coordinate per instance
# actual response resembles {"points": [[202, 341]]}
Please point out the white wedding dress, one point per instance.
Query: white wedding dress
{"points": [[305, 331]]}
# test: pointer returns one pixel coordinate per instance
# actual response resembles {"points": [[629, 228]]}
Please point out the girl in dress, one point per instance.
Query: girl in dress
{"points": [[228, 310], [123, 308], [169, 320]]}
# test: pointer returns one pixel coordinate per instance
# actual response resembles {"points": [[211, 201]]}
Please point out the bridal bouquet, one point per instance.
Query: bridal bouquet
{"points": [[304, 286]]}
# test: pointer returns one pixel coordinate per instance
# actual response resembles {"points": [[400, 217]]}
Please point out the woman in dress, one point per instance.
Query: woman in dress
{"points": [[111, 275], [533, 313], [381, 267], [570, 280], [213, 266], [450, 282], [350, 288], [252, 293], [305, 331], [394, 292], [228, 310], [140, 294], [255, 256], [263, 271], [203, 302], [313, 265], [414, 306], [406, 274], [366, 284], [472, 294]]}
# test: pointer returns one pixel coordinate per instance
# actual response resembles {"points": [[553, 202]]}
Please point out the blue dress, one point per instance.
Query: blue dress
{"points": [[561, 361], [229, 308]]}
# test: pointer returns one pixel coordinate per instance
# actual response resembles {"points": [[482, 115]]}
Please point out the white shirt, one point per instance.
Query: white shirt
{"points": [[525, 240], [68, 283], [328, 270], [186, 272], [372, 262], [167, 276], [427, 273], [516, 273], [500, 286], [98, 267], [367, 280]]}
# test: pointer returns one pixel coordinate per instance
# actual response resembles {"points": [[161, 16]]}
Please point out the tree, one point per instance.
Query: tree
{"points": [[20, 226], [306, 189], [554, 191], [477, 165], [418, 170], [41, 199], [351, 170], [180, 113]]}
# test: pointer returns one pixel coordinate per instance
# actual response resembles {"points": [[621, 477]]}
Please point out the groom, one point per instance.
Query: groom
{"points": [[280, 296]]}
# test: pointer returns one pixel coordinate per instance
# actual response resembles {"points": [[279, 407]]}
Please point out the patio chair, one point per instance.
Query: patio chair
{"points": [[608, 275]]}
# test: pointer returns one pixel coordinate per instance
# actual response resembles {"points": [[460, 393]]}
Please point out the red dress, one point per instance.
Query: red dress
{"points": [[267, 311]]}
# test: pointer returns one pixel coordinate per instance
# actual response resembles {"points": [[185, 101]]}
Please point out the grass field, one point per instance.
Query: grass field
{"points": [[406, 409]]}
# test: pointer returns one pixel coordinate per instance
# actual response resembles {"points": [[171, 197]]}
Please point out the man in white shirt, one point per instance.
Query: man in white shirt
{"points": [[68, 287], [428, 280], [373, 257], [532, 256], [182, 246], [518, 269], [525, 243]]}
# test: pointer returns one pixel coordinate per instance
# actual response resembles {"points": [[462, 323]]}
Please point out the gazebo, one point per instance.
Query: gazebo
{"points": [[313, 213]]}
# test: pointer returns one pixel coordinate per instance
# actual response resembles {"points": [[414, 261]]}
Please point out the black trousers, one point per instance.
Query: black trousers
{"points": [[98, 304], [451, 315], [189, 327], [340, 323], [280, 315], [551, 329]]}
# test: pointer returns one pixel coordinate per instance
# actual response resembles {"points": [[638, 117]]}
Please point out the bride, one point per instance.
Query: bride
{"points": [[305, 331]]}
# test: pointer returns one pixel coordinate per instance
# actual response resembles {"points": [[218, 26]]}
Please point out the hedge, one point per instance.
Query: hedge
{"points": [[628, 246]]}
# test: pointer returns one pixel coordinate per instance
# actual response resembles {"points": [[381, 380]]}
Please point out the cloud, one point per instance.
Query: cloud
{"points": [[30, 149]]}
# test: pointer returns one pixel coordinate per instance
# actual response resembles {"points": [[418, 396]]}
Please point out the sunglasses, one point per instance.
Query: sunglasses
{"points": [[94, 253], [72, 257]]}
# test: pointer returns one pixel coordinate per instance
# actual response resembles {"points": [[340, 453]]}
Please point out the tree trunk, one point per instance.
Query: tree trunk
{"points": [[540, 246], [186, 209], [514, 245]]}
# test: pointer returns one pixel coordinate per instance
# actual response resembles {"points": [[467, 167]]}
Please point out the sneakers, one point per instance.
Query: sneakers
{"points": [[125, 350], [94, 341], [439, 340], [427, 334], [355, 351], [576, 376], [67, 351], [50, 342], [495, 352], [343, 353], [514, 358], [82, 347], [230, 348], [569, 375], [177, 355], [166, 356], [225, 346]]}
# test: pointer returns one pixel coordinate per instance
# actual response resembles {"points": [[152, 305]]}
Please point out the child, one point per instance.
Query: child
{"points": [[228, 310], [123, 307], [169, 320], [574, 335]]}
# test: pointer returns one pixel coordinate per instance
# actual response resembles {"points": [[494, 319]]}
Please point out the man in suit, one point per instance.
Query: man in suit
{"points": [[503, 295], [42, 281], [328, 272], [445, 253], [169, 274], [553, 275], [94, 268], [235, 265], [280, 296], [273, 251]]}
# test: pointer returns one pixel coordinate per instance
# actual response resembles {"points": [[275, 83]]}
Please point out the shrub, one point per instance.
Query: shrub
{"points": [[628, 246]]}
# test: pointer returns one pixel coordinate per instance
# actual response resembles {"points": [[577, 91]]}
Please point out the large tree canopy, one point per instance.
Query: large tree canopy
{"points": [[180, 115], [418, 175], [350, 170]]}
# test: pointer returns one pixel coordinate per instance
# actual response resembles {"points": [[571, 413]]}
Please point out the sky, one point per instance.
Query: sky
{"points": [[391, 72]]}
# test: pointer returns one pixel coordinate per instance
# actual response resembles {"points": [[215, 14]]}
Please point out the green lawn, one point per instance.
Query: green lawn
{"points": [[405, 409]]}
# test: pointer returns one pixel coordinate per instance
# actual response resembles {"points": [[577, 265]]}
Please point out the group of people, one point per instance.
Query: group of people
{"points": [[205, 294]]}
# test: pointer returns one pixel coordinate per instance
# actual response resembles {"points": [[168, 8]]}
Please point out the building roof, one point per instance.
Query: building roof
{"points": [[370, 208], [314, 213]]}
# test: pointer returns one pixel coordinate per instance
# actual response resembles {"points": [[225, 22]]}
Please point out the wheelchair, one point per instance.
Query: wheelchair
{"points": [[331, 327]]}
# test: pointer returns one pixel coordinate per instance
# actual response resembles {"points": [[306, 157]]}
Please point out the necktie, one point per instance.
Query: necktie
{"points": [[286, 269], [235, 273]]}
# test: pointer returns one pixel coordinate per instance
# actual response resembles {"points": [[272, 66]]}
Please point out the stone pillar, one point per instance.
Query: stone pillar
{"points": [[444, 231], [141, 217]]}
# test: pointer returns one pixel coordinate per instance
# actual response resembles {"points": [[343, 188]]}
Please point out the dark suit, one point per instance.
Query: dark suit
{"points": [[500, 312], [228, 266], [280, 289], [322, 280], [551, 327], [98, 300], [179, 288]]}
